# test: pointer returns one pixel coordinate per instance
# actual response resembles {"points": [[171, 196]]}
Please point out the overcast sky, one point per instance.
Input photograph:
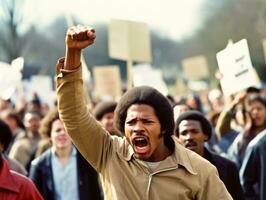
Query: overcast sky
{"points": [[174, 18]]}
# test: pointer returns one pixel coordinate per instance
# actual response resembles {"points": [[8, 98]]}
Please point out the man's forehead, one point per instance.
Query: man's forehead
{"points": [[189, 123]]}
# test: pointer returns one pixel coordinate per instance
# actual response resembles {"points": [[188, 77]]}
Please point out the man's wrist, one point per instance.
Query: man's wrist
{"points": [[72, 60]]}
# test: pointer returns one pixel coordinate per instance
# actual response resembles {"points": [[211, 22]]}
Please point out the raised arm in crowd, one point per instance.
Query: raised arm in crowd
{"points": [[147, 163]]}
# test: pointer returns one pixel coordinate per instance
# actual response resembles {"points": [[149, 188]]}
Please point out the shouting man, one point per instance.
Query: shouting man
{"points": [[147, 163]]}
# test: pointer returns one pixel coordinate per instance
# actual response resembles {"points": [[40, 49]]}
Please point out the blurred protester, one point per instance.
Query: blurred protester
{"points": [[213, 117], [192, 130], [255, 123], [230, 122], [253, 91], [104, 113], [35, 105], [253, 170], [15, 124], [171, 99], [213, 143], [14, 186], [194, 102], [61, 172], [5, 139], [24, 149], [216, 100], [180, 108], [5, 104], [145, 164]]}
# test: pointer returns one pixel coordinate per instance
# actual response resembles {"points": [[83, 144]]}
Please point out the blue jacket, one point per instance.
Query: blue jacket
{"points": [[253, 170], [42, 175]]}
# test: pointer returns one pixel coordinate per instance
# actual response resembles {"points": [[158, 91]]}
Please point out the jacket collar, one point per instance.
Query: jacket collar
{"points": [[179, 157], [7, 181], [183, 158]]}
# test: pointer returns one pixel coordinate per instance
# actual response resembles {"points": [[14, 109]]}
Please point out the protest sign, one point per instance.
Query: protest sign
{"points": [[195, 68], [107, 81], [236, 68], [129, 40], [10, 77], [180, 87], [144, 74], [42, 86]]}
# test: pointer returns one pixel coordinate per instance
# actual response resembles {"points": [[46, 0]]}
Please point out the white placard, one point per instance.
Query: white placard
{"points": [[18, 63], [42, 85], [10, 78], [129, 40], [144, 74], [236, 68]]}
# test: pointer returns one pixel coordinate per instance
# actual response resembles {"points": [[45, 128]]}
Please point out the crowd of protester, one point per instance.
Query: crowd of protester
{"points": [[229, 132]]}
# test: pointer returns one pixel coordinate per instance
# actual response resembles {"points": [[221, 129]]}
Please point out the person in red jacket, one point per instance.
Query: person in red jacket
{"points": [[14, 186]]}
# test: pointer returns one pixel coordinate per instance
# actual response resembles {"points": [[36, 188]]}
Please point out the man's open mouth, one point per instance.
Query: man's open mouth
{"points": [[140, 144]]}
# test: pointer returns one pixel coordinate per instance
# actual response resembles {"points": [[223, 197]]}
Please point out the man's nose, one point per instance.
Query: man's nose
{"points": [[138, 126], [189, 136]]}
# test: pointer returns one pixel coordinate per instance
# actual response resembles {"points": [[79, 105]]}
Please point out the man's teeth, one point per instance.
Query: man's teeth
{"points": [[139, 139]]}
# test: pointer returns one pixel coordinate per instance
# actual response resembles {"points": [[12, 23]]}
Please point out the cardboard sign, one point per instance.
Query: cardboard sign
{"points": [[144, 74], [195, 68], [264, 48], [181, 88], [107, 81], [129, 40], [10, 77], [236, 68]]}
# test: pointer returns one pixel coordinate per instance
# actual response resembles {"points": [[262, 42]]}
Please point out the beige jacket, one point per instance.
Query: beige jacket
{"points": [[183, 175]]}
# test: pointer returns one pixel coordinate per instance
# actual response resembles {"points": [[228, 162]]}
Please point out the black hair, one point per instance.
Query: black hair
{"points": [[103, 108], [5, 135], [149, 96], [198, 116], [256, 98]]}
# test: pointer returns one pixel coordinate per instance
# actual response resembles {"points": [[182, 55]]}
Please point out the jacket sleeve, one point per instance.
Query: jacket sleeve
{"points": [[91, 139]]}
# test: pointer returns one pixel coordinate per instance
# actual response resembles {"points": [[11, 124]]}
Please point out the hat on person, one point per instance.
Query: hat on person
{"points": [[149, 96], [197, 116], [103, 108]]}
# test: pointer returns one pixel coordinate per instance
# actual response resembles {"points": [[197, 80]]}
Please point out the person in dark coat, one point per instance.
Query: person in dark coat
{"points": [[192, 130], [61, 172], [253, 170]]}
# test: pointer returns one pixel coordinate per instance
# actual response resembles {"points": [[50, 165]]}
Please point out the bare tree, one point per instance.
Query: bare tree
{"points": [[10, 20]]}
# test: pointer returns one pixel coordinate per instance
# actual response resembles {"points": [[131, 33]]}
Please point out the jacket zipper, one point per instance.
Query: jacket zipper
{"points": [[154, 173]]}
